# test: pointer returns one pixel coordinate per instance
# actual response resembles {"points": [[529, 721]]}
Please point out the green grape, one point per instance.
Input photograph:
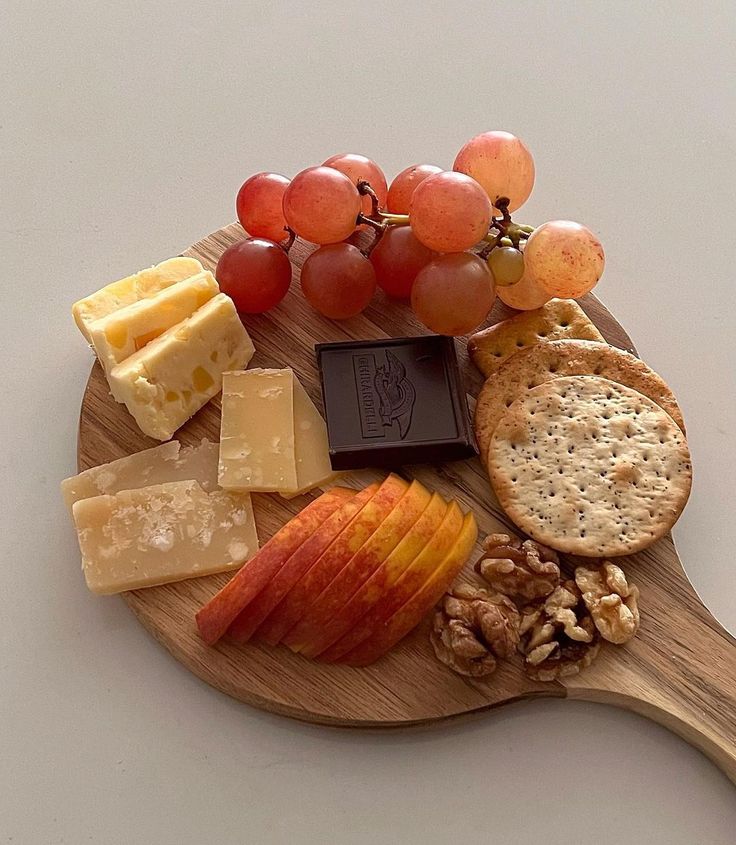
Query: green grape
{"points": [[507, 265]]}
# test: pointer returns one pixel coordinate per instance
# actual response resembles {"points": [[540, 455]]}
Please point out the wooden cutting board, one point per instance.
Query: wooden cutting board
{"points": [[680, 670]]}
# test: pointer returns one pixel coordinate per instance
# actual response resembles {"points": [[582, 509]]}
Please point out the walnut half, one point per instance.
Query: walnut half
{"points": [[524, 570], [472, 627], [559, 638], [613, 602]]}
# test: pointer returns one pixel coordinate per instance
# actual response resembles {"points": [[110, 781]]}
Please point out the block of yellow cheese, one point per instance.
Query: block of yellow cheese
{"points": [[163, 533], [167, 462], [118, 335], [173, 376], [257, 431], [132, 288], [311, 447]]}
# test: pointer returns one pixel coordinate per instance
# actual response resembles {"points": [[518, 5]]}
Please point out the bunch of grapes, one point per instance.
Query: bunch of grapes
{"points": [[442, 239]]}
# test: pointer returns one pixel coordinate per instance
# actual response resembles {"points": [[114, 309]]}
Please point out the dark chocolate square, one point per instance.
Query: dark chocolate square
{"points": [[393, 402]]}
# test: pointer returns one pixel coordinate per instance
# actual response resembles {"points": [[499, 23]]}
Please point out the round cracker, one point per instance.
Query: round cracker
{"points": [[554, 359], [590, 467]]}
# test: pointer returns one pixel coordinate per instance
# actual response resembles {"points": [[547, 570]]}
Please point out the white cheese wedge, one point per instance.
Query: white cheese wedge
{"points": [[257, 431], [130, 289], [164, 533], [165, 463], [118, 335], [311, 446], [173, 376]]}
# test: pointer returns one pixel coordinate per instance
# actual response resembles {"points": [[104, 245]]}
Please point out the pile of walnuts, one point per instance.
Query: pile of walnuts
{"points": [[556, 624]]}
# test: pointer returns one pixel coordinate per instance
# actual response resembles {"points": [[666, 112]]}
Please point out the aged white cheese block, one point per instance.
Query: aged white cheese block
{"points": [[132, 288], [118, 335], [173, 376], [167, 462], [311, 446], [257, 431], [163, 533]]}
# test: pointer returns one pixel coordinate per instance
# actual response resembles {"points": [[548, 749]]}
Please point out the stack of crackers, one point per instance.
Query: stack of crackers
{"points": [[584, 444]]}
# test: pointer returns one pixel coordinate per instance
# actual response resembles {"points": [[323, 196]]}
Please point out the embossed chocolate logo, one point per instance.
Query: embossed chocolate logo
{"points": [[385, 394]]}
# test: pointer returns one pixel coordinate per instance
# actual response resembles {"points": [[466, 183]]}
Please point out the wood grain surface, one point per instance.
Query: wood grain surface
{"points": [[680, 670]]}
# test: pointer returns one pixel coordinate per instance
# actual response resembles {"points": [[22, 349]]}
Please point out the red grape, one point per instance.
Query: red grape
{"points": [[501, 163], [402, 188], [357, 167], [453, 294], [260, 206], [321, 205], [397, 259], [255, 274], [564, 259], [450, 212], [338, 281]]}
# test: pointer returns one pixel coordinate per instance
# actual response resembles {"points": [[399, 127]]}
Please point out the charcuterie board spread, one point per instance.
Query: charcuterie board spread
{"points": [[339, 483]]}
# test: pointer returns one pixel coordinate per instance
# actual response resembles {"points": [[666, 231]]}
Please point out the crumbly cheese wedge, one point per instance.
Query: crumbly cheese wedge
{"points": [[129, 290], [118, 335], [167, 462], [173, 376], [167, 532], [257, 431], [311, 447]]}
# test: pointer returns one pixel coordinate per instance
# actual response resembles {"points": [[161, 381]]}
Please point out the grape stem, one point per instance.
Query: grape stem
{"points": [[394, 219], [364, 189], [377, 225], [503, 230], [290, 242]]}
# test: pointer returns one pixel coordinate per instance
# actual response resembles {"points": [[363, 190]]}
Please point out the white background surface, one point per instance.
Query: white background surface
{"points": [[125, 131]]}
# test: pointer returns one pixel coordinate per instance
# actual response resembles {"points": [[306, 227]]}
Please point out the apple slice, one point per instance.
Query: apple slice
{"points": [[295, 603], [216, 616], [298, 563], [410, 582], [322, 624], [372, 595], [379, 583], [413, 611]]}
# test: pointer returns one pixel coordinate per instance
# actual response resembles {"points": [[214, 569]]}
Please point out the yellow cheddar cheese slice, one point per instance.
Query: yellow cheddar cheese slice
{"points": [[172, 377], [130, 289], [118, 335], [163, 533]]}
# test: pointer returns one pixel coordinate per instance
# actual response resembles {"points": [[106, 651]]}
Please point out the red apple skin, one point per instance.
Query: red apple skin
{"points": [[245, 624], [391, 570], [417, 574], [325, 622], [216, 616], [298, 600], [420, 604]]}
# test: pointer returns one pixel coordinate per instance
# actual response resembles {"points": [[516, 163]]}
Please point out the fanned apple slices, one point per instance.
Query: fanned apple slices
{"points": [[349, 576]]}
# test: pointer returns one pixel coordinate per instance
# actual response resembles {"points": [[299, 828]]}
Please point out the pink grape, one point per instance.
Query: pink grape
{"points": [[255, 274], [338, 281], [321, 205], [564, 259], [523, 296], [260, 206], [501, 163], [403, 186], [453, 294], [449, 212], [357, 167], [397, 258]]}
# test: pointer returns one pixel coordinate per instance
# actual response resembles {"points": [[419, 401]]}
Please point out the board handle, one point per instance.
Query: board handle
{"points": [[683, 677]]}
